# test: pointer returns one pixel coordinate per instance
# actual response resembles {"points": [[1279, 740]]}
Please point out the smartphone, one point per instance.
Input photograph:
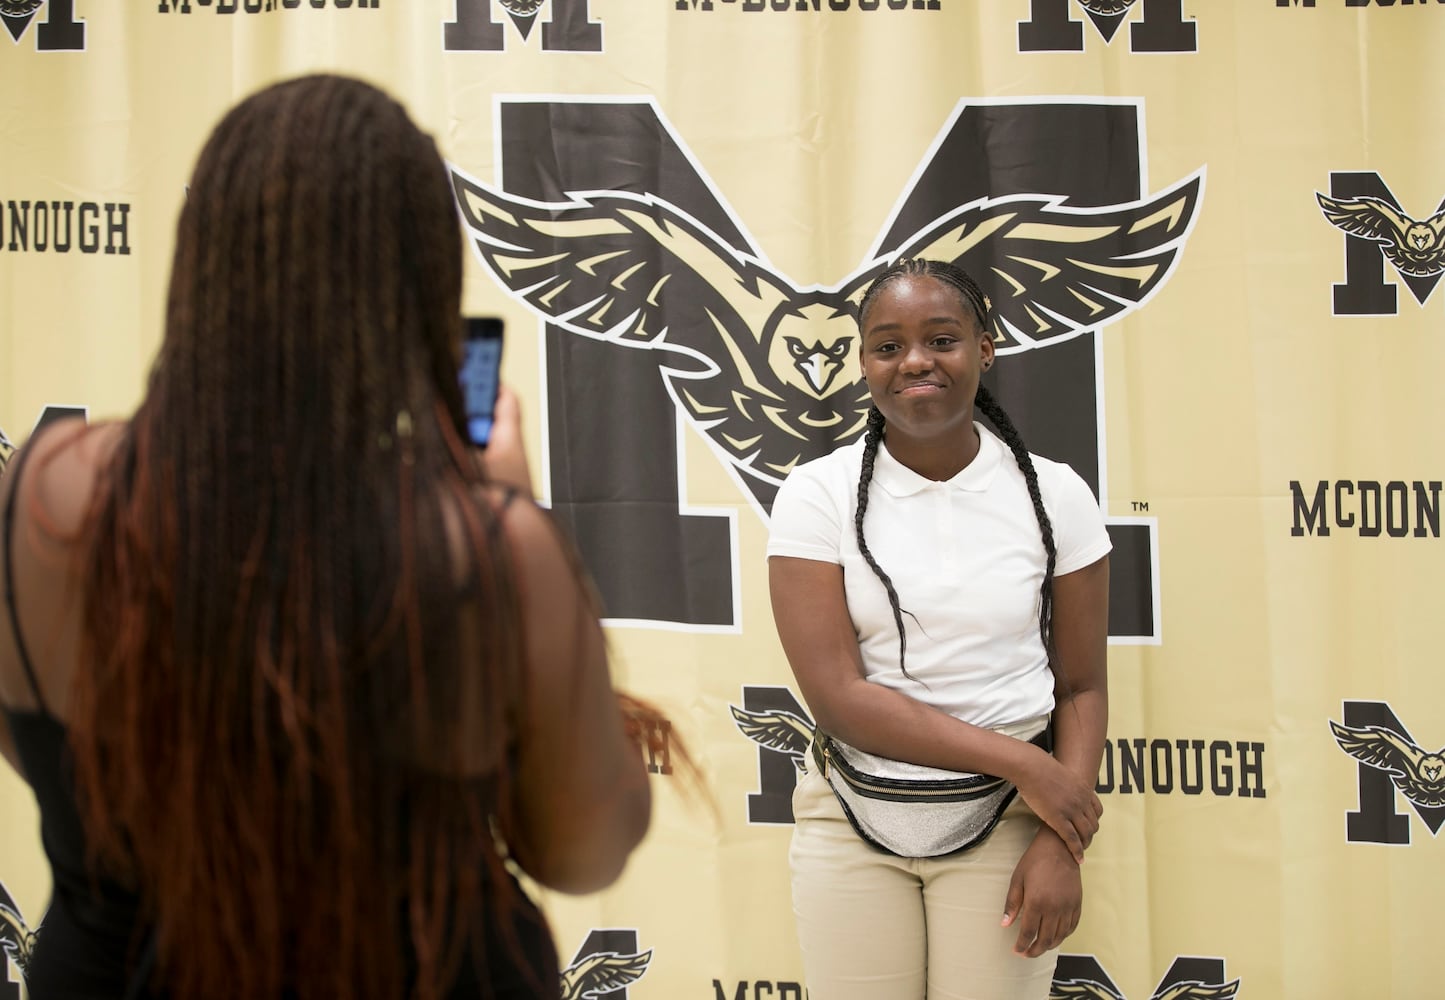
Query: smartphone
{"points": [[480, 374]]}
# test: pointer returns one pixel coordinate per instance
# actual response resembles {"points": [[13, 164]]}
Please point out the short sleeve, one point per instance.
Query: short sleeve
{"points": [[806, 521], [1080, 536]]}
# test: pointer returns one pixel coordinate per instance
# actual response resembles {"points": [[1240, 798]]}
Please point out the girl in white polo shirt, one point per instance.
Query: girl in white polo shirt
{"points": [[942, 597]]}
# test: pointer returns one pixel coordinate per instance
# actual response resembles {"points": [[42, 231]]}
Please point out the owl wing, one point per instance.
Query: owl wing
{"points": [[1053, 271], [1367, 216], [1199, 991], [605, 264], [603, 972], [1379, 747], [776, 729], [1081, 989]]}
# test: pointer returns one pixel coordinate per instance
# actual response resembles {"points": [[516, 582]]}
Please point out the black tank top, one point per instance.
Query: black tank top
{"points": [[93, 944]]}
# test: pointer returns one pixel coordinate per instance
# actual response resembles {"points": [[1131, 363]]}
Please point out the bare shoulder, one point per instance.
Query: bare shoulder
{"points": [[45, 507], [61, 469]]}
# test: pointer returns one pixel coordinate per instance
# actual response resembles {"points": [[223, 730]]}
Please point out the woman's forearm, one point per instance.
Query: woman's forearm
{"points": [[882, 721], [1080, 724]]}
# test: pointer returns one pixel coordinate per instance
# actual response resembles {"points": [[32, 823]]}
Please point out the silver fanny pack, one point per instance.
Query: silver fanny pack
{"points": [[910, 810]]}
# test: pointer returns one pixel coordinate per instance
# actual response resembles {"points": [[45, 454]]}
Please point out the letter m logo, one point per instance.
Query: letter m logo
{"points": [[1378, 230], [1390, 762], [59, 32], [566, 26]]}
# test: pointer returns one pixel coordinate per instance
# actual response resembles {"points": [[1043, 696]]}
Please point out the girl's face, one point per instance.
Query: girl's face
{"points": [[922, 355]]}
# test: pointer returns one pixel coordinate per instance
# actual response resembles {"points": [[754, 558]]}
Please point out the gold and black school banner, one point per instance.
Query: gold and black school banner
{"points": [[1214, 233]]}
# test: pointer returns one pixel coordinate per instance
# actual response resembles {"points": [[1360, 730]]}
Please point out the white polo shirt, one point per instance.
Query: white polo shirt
{"points": [[966, 559]]}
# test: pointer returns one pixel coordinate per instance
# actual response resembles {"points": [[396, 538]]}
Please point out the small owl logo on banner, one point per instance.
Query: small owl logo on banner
{"points": [[1419, 776], [1415, 248]]}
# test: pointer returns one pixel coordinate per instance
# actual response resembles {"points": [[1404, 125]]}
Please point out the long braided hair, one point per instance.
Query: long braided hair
{"points": [[276, 738], [977, 303]]}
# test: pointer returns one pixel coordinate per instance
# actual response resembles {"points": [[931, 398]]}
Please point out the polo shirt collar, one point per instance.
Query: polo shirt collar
{"points": [[901, 481]]}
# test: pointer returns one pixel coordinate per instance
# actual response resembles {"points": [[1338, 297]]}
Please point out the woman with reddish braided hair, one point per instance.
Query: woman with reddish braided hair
{"points": [[294, 671], [942, 597]]}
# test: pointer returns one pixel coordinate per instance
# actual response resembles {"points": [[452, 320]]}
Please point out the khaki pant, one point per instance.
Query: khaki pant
{"points": [[877, 927]]}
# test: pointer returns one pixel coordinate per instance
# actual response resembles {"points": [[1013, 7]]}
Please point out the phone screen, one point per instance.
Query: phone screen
{"points": [[481, 375]]}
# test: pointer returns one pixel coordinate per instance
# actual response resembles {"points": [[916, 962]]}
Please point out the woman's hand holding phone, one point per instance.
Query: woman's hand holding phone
{"points": [[505, 457]]}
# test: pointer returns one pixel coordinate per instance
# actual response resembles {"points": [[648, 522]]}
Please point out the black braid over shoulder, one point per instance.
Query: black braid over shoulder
{"points": [[872, 436], [974, 300], [1010, 436]]}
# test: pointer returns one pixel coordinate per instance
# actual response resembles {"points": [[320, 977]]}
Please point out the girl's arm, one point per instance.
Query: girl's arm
{"points": [[1046, 896]]}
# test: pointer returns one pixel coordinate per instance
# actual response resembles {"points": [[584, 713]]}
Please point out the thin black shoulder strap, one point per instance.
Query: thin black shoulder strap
{"points": [[14, 474]]}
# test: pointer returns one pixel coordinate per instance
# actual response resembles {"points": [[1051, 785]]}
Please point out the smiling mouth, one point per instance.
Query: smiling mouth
{"points": [[920, 389]]}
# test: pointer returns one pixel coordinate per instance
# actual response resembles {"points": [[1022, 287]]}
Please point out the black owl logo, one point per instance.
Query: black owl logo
{"points": [[1419, 776], [1415, 248], [602, 972], [767, 369]]}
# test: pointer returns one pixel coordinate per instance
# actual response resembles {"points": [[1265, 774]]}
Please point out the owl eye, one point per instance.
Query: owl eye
{"points": [[839, 350], [796, 348]]}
